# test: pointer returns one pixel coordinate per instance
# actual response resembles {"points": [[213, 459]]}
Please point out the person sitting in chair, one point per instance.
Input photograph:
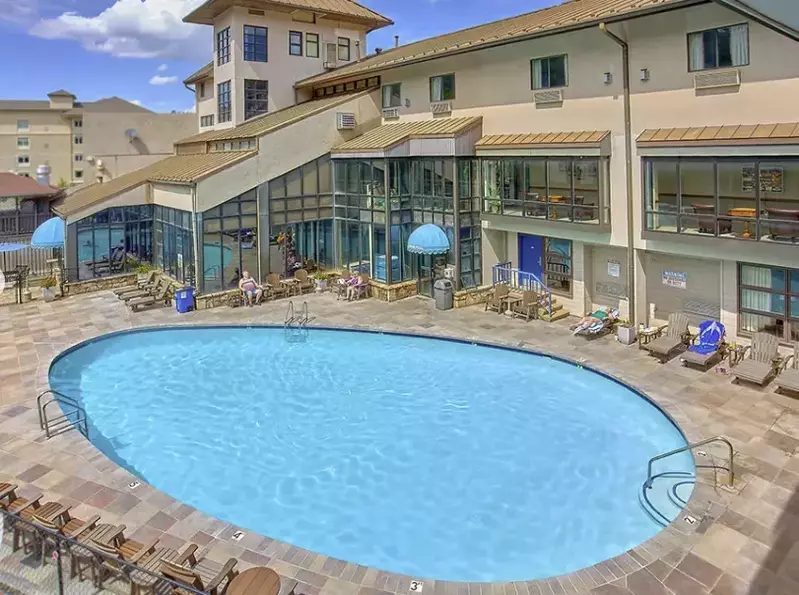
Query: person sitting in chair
{"points": [[250, 289]]}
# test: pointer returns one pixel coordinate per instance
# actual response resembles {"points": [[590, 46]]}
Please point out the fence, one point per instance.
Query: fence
{"points": [[35, 560], [18, 224], [34, 258]]}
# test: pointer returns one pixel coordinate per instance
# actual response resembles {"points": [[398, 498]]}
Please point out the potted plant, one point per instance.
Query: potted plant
{"points": [[321, 278], [625, 332], [48, 285]]}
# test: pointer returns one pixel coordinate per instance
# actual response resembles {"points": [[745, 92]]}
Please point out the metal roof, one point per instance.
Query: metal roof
{"points": [[13, 185], [204, 72], [584, 138], [388, 135], [734, 134]]}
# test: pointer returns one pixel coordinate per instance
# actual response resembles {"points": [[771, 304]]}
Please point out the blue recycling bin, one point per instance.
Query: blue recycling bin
{"points": [[184, 300]]}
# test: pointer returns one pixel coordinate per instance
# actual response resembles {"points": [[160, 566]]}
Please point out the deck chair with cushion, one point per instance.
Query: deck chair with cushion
{"points": [[497, 297], [671, 337], [160, 296], [205, 576], [760, 366], [596, 323], [788, 380], [149, 281], [707, 346]]}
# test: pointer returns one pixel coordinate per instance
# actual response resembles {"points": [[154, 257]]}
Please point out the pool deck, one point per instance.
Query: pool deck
{"points": [[745, 541]]}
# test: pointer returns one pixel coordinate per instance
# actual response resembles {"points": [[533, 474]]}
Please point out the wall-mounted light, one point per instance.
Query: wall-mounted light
{"points": [[644, 74], [607, 78], [407, 103]]}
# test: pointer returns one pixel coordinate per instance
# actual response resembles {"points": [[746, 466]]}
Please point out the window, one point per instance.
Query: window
{"points": [[223, 46], [255, 42], [768, 299], [78, 157], [548, 73], [78, 174], [223, 102], [312, 45], [724, 47], [24, 175], [77, 123], [256, 98], [295, 43], [344, 49], [392, 95], [558, 269], [201, 90], [206, 121], [23, 142], [23, 125], [23, 160], [442, 88], [743, 198], [78, 139]]}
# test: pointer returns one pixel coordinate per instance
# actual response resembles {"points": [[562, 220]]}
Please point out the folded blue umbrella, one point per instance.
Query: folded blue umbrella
{"points": [[711, 334]]}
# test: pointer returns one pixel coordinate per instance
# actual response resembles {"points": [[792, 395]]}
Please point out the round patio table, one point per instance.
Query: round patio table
{"points": [[255, 581]]}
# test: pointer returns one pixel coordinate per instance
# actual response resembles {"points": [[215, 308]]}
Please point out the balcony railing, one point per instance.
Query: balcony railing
{"points": [[14, 223], [504, 273]]}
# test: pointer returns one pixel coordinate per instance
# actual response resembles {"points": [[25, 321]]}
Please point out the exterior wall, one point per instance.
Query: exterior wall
{"points": [[50, 142], [105, 139], [141, 195], [173, 196], [206, 105], [282, 69]]}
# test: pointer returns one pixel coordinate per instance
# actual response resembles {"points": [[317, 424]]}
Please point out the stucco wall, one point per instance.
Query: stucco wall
{"points": [[49, 134], [173, 196]]}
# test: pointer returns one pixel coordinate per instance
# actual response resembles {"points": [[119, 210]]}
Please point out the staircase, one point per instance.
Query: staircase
{"points": [[550, 309]]}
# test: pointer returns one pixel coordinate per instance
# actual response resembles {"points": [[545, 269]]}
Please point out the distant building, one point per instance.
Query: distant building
{"points": [[83, 140], [24, 204]]}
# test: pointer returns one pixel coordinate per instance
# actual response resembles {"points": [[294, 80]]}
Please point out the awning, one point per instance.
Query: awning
{"points": [[583, 142], [49, 234], [729, 135], [428, 239], [437, 137]]}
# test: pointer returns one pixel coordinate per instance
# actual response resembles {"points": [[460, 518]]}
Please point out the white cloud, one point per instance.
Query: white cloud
{"points": [[135, 101], [133, 29], [163, 80], [17, 12], [162, 68]]}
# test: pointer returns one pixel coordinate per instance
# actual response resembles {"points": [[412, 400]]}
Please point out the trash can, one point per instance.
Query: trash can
{"points": [[443, 290], [184, 300]]}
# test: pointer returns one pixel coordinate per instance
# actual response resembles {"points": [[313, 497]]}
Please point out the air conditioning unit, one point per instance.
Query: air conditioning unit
{"points": [[548, 96], [345, 121], [441, 107], [717, 79], [331, 55], [391, 113]]}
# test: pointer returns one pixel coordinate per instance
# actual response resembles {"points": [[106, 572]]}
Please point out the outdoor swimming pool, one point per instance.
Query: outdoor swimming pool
{"points": [[430, 458]]}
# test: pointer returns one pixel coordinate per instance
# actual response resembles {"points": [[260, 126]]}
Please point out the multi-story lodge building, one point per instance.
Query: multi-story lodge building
{"points": [[640, 154]]}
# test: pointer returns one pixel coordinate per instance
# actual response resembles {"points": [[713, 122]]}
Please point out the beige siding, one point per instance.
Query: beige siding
{"points": [[701, 297], [173, 196]]}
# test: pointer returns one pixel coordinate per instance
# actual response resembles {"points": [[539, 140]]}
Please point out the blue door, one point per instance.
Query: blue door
{"points": [[531, 255]]}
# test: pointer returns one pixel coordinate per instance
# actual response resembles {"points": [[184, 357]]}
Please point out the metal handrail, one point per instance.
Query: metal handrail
{"points": [[505, 273], [289, 314], [730, 471], [62, 421]]}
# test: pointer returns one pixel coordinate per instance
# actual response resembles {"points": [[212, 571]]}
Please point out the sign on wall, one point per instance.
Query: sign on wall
{"points": [[675, 279], [614, 268], [770, 179]]}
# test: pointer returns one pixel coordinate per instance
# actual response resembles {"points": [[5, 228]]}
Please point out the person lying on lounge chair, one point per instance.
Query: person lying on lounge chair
{"points": [[596, 321], [250, 289]]}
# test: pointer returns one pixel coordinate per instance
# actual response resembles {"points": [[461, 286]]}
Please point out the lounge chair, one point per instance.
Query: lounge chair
{"points": [[788, 380], [670, 337], [361, 288], [12, 503], [65, 525], [162, 295], [496, 298], [303, 282], [596, 323], [707, 346], [147, 283], [760, 366], [527, 308], [203, 576], [144, 291], [82, 558], [120, 555], [147, 578], [276, 288], [25, 534]]}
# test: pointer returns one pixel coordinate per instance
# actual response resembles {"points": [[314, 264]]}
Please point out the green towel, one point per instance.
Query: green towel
{"points": [[600, 315]]}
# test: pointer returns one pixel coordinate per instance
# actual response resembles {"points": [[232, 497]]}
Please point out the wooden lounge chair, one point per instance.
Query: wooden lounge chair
{"points": [[497, 297], [528, 307], [12, 503], [65, 525], [276, 288], [162, 295], [25, 534], [120, 555], [203, 576], [82, 558], [763, 354], [671, 337], [148, 282], [147, 579], [304, 284], [708, 345], [788, 380], [144, 291]]}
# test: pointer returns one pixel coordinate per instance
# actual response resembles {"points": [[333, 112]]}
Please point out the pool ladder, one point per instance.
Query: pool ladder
{"points": [[295, 325], [73, 415]]}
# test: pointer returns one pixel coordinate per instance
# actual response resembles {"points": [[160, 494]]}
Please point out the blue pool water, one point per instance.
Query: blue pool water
{"points": [[430, 458]]}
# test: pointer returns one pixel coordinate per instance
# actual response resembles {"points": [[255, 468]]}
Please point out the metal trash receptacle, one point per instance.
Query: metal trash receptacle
{"points": [[184, 300], [444, 290]]}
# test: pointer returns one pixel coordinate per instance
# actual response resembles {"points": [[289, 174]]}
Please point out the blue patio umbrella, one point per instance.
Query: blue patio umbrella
{"points": [[49, 234], [428, 239], [9, 247]]}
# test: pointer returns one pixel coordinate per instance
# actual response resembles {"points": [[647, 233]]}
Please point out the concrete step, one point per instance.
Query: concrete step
{"points": [[558, 314]]}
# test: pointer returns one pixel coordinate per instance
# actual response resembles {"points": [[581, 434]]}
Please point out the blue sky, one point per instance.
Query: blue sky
{"points": [[140, 50]]}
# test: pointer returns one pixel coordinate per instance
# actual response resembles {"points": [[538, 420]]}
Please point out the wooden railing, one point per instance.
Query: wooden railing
{"points": [[14, 223]]}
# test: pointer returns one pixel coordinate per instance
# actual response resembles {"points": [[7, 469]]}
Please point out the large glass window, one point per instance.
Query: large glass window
{"points": [[224, 102], [256, 98], [230, 242], [223, 46], [551, 72], [255, 43], [442, 87], [570, 189], [743, 198], [724, 47], [558, 266], [769, 301]]}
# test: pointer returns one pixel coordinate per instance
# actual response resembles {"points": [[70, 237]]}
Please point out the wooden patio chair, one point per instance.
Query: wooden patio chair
{"points": [[146, 283], [788, 380], [303, 282], [203, 576], [670, 337], [527, 308], [763, 360], [120, 555], [162, 295], [496, 298], [276, 288]]}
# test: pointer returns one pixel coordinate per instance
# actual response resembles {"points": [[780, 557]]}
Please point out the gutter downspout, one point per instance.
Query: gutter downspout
{"points": [[628, 156]]}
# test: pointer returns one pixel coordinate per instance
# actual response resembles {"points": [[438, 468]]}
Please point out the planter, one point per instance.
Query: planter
{"points": [[48, 294], [321, 285], [626, 335]]}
